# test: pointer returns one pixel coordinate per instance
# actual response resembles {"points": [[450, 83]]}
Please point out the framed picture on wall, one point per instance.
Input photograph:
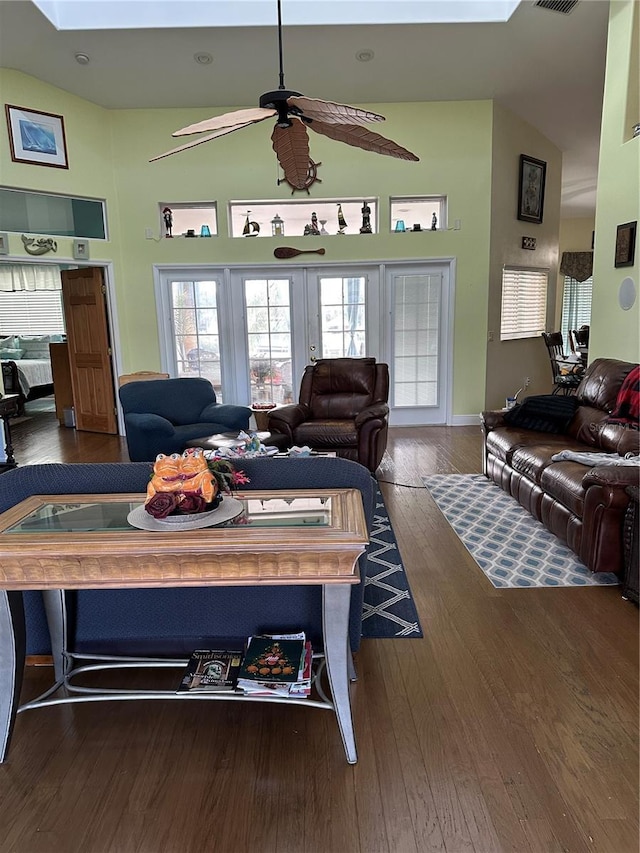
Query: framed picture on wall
{"points": [[625, 244], [36, 137], [531, 181]]}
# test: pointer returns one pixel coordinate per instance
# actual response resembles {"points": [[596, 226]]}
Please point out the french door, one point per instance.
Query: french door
{"points": [[251, 331]]}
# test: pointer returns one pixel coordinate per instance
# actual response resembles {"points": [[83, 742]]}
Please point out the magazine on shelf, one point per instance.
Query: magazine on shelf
{"points": [[262, 650], [211, 670]]}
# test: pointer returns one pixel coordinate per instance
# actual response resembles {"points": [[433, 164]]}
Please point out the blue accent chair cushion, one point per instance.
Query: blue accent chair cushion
{"points": [[175, 621], [163, 415]]}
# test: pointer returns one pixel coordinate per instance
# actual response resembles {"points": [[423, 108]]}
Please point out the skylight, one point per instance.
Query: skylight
{"points": [[150, 14]]}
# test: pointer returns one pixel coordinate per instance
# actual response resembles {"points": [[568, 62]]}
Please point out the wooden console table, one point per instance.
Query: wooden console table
{"points": [[9, 408], [61, 542]]}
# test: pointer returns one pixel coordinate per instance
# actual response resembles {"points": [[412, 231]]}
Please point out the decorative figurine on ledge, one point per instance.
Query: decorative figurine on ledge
{"points": [[312, 230], [365, 210], [342, 222], [167, 215], [251, 229], [434, 223]]}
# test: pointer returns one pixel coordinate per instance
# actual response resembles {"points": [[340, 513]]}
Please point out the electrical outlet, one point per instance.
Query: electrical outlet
{"points": [[148, 234], [490, 337], [527, 382]]}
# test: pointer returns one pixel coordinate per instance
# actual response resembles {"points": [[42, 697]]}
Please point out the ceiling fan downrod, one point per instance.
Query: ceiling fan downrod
{"points": [[281, 74]]}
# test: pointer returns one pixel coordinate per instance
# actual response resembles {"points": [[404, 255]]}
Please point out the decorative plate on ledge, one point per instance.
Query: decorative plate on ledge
{"points": [[229, 509]]}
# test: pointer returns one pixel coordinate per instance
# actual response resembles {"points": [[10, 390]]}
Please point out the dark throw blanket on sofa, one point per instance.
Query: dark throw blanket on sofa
{"points": [[544, 413]]}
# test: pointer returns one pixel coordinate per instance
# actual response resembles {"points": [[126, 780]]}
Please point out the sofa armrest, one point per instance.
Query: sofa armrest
{"points": [[287, 418], [149, 423], [491, 419], [234, 417], [612, 476], [378, 411]]}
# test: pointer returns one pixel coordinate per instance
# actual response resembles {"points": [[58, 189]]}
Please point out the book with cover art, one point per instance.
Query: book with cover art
{"points": [[211, 670], [268, 659], [300, 687]]}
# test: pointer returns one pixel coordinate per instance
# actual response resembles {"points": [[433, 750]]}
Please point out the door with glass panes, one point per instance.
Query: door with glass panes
{"points": [[252, 331]]}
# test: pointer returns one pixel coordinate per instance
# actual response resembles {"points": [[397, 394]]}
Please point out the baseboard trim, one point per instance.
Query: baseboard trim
{"points": [[465, 420]]}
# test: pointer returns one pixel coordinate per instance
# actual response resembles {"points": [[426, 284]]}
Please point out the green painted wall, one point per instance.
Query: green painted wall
{"points": [[614, 332], [109, 153]]}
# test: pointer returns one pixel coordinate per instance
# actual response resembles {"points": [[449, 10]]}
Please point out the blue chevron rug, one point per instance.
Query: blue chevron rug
{"points": [[507, 543], [389, 609]]}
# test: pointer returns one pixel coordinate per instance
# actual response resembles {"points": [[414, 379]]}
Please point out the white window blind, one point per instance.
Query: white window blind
{"points": [[36, 312], [524, 302]]}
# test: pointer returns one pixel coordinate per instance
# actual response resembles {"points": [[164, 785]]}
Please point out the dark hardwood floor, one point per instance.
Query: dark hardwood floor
{"points": [[512, 726]]}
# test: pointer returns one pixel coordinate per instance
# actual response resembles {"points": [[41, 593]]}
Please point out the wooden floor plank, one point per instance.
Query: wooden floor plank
{"points": [[512, 725]]}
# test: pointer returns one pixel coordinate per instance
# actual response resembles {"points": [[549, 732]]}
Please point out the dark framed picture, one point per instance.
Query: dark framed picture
{"points": [[533, 174], [36, 137], [626, 244]]}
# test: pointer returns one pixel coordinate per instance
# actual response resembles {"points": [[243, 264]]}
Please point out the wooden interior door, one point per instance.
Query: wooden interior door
{"points": [[86, 320]]}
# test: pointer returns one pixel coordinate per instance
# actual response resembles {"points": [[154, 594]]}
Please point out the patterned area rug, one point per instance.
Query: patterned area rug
{"points": [[389, 609], [511, 547]]}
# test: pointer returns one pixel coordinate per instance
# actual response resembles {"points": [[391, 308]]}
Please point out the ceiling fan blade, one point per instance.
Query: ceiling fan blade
{"points": [[332, 113], [222, 132], [243, 117], [291, 145], [360, 137]]}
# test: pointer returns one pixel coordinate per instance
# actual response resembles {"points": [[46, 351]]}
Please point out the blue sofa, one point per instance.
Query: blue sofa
{"points": [[173, 622], [163, 415]]}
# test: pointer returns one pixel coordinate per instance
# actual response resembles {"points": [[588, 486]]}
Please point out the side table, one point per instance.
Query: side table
{"points": [[9, 407]]}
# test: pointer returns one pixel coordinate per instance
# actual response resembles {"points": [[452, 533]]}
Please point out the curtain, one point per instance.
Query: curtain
{"points": [[577, 265], [30, 277]]}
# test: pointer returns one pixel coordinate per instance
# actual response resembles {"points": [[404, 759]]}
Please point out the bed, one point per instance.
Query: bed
{"points": [[26, 366]]}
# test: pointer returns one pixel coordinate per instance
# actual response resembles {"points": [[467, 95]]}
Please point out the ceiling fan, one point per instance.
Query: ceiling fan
{"points": [[294, 114]]}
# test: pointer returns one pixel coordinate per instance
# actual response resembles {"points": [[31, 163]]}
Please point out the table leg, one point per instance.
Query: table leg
{"points": [[336, 599], [8, 449], [56, 611], [12, 653]]}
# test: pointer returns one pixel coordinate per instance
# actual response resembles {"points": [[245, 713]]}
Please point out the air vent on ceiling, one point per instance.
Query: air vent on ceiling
{"points": [[563, 6]]}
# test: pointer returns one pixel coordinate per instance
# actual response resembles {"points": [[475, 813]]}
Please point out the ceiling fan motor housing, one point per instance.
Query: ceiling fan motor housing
{"points": [[278, 101]]}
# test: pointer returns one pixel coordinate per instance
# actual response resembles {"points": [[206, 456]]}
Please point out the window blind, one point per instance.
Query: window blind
{"points": [[524, 302], [36, 312], [576, 305]]}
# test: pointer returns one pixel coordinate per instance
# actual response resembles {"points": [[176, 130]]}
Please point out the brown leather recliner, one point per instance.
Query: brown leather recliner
{"points": [[342, 407]]}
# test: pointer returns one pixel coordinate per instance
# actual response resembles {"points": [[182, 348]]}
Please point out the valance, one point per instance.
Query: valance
{"points": [[30, 277], [577, 265]]}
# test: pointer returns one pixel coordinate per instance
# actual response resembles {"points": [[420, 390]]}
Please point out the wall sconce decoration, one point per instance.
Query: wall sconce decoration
{"points": [[81, 249], [39, 245], [4, 243], [277, 226], [529, 242]]}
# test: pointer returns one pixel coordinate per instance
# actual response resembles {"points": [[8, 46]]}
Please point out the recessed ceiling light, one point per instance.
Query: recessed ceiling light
{"points": [[203, 58], [82, 59], [365, 55]]}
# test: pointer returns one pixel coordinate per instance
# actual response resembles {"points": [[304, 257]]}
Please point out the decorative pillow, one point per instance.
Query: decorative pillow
{"points": [[37, 347], [8, 343], [627, 408], [11, 354], [544, 413]]}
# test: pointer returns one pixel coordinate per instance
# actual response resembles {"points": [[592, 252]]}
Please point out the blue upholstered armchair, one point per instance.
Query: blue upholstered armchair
{"points": [[162, 415], [176, 621]]}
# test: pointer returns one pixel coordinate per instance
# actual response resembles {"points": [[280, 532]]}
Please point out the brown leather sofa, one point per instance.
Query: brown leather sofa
{"points": [[342, 408], [583, 506]]}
